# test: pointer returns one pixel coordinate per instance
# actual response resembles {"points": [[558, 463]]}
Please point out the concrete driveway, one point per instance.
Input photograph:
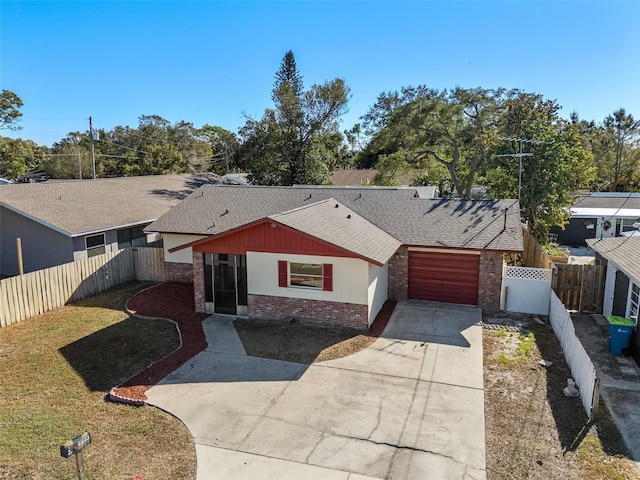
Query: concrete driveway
{"points": [[411, 406]]}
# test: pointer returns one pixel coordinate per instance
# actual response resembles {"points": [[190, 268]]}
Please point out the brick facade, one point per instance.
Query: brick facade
{"points": [[198, 281], [490, 281], [490, 284], [309, 311], [178, 272], [399, 275]]}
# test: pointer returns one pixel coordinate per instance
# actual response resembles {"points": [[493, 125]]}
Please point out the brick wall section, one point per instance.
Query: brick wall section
{"points": [[399, 275], [178, 272], [490, 287], [264, 307], [198, 281]]}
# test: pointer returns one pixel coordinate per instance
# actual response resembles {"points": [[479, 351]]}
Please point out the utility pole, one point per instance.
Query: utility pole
{"points": [[93, 158], [520, 155], [79, 163]]}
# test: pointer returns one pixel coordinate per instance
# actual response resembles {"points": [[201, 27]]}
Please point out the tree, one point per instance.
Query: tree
{"points": [[293, 141], [10, 105], [18, 156], [557, 168], [419, 127], [617, 150], [224, 145]]}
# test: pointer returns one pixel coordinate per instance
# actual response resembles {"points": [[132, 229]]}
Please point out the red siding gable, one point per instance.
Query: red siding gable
{"points": [[269, 237]]}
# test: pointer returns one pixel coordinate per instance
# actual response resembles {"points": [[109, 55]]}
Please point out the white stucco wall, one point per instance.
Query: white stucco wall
{"points": [[172, 240], [378, 289], [350, 278], [609, 288]]}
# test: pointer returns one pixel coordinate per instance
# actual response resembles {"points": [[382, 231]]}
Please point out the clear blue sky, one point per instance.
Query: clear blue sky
{"points": [[211, 62]]}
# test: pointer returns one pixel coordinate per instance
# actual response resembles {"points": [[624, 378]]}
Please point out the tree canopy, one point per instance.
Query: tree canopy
{"points": [[453, 138], [296, 141], [456, 136], [10, 104]]}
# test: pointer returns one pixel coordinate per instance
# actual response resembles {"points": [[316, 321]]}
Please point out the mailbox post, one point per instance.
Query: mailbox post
{"points": [[73, 448]]}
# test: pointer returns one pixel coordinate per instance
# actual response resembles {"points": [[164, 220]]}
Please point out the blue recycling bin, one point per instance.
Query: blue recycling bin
{"points": [[620, 330]]}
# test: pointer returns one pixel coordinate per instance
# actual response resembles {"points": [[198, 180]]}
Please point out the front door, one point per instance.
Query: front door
{"points": [[225, 283]]}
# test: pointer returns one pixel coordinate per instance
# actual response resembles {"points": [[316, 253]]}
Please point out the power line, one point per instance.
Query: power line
{"points": [[520, 155]]}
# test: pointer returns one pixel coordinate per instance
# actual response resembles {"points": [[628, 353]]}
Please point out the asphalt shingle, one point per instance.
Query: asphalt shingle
{"points": [[331, 221], [470, 224], [623, 251], [613, 200], [77, 206]]}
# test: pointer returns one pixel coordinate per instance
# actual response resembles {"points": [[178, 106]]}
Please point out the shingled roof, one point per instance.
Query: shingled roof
{"points": [[615, 200], [332, 222], [468, 224], [77, 207], [623, 251]]}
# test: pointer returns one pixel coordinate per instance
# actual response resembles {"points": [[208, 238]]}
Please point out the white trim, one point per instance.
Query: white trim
{"points": [[115, 227], [609, 289], [593, 212], [631, 302], [444, 250]]}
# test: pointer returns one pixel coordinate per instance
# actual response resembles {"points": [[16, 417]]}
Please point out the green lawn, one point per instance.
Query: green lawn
{"points": [[55, 372]]}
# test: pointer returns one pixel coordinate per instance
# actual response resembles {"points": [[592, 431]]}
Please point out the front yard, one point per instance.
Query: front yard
{"points": [[55, 372]]}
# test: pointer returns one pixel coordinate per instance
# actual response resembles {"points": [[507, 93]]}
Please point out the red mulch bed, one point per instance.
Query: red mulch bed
{"points": [[173, 301], [382, 319]]}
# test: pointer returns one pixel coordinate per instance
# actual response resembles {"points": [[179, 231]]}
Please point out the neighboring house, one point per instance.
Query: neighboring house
{"points": [[334, 255], [355, 177], [621, 255], [600, 215], [63, 221]]}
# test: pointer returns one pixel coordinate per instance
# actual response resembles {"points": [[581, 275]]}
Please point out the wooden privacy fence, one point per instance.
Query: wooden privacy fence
{"points": [[582, 368], [534, 255], [580, 287], [37, 292]]}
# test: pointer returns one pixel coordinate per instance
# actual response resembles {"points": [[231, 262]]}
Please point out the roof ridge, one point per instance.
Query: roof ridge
{"points": [[311, 205]]}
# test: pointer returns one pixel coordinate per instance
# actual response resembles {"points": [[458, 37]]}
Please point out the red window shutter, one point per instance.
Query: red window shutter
{"points": [[282, 274], [327, 277]]}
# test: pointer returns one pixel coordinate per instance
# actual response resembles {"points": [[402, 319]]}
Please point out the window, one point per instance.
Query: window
{"points": [[305, 275], [628, 224], [132, 237], [95, 245]]}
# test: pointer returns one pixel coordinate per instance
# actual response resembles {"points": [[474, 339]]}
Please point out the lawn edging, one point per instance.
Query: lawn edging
{"points": [[169, 302]]}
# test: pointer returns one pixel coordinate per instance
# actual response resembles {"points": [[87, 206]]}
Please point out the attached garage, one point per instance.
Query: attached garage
{"points": [[444, 277]]}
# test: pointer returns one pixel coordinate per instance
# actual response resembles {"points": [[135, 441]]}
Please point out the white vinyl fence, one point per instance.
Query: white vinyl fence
{"points": [[526, 290], [582, 368]]}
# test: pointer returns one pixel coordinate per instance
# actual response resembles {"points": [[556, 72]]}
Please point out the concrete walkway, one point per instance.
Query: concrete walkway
{"points": [[411, 406], [619, 379]]}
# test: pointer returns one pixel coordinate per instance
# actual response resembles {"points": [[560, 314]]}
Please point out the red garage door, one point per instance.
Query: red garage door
{"points": [[444, 277]]}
